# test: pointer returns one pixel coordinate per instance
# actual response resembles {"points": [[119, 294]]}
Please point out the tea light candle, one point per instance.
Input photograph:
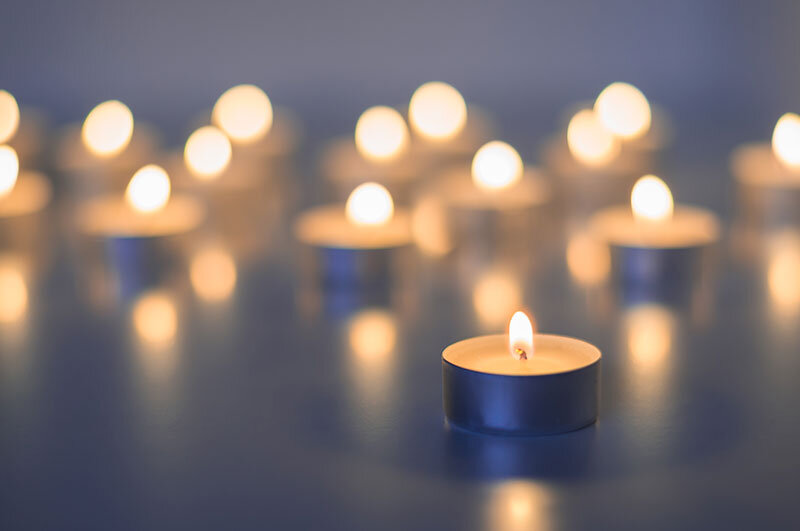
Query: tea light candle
{"points": [[356, 241], [21, 193], [624, 111], [521, 383]]}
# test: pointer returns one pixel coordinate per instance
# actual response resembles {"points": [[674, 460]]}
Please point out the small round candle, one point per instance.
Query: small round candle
{"points": [[21, 193], [521, 383]]}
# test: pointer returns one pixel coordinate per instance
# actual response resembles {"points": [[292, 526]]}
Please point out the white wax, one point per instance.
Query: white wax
{"points": [[327, 226], [688, 227], [551, 355]]}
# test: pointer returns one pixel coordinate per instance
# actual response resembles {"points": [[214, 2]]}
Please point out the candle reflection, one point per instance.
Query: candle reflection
{"points": [[649, 332], [519, 504], [783, 274], [429, 227], [497, 294], [588, 260], [14, 290], [212, 272], [155, 321]]}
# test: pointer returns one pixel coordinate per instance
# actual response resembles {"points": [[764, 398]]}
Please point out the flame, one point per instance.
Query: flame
{"points": [[496, 165], [589, 141], [148, 190], [244, 112], [369, 204], [381, 133], [651, 199], [588, 260], [207, 152], [786, 140], [494, 296], [155, 318], [212, 272], [372, 335], [9, 116], [14, 289], [520, 336], [108, 128], [623, 110], [437, 111], [9, 170]]}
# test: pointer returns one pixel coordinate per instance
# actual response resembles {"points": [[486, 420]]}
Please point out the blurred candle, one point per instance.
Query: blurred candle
{"points": [[20, 193], [381, 134], [9, 170], [589, 141], [207, 153], [437, 111], [244, 113], [9, 116], [623, 110], [108, 129]]}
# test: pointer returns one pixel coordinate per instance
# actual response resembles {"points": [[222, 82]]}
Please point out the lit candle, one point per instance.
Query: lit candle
{"points": [[24, 129], [21, 193], [521, 383], [9, 116], [356, 239]]}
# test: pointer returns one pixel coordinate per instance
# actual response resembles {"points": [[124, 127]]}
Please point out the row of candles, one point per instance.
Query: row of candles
{"points": [[603, 147]]}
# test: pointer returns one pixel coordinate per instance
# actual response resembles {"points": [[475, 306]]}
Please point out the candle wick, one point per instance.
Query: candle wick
{"points": [[522, 354]]}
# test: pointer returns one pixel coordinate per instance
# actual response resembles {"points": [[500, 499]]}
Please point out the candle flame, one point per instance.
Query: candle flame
{"points": [[207, 152], [108, 128], [9, 170], [786, 140], [623, 110], [369, 204], [437, 111], [244, 112], [496, 165], [381, 133], [149, 189], [520, 336], [651, 199], [9, 116], [589, 141]]}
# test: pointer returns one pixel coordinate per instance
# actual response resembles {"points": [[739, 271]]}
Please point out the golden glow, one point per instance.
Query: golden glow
{"points": [[649, 330], [381, 133], [108, 128], [207, 152], [369, 204], [651, 199], [213, 273], [496, 165], [786, 140], [589, 141], [372, 335], [155, 318], [783, 273], [520, 336], [623, 110], [14, 290], [517, 505], [495, 296], [9, 169], [429, 227], [148, 190], [588, 260], [9, 116], [437, 111], [244, 112]]}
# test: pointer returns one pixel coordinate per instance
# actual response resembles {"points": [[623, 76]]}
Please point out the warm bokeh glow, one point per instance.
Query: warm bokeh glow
{"points": [[369, 204], [9, 169], [213, 273], [588, 260], [786, 140], [244, 112], [623, 110], [649, 330], [519, 505], [589, 141], [9, 116], [108, 128], [496, 165], [207, 152], [651, 199], [437, 111], [372, 335], [429, 227], [13, 291], [381, 133], [783, 273], [155, 318], [148, 190], [520, 336], [496, 295]]}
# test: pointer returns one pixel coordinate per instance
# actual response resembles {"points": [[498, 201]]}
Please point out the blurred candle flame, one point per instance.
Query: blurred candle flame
{"points": [[496, 294], [108, 128], [786, 140], [9, 170], [496, 165], [244, 113], [369, 204], [589, 141], [212, 272], [148, 190], [437, 111], [9, 116], [651, 199], [381, 134], [623, 110], [207, 152], [520, 336]]}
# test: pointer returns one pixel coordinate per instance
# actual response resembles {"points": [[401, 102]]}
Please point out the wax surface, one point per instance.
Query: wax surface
{"points": [[552, 355], [756, 164], [111, 216], [458, 189], [688, 227], [342, 163], [30, 194], [327, 226]]}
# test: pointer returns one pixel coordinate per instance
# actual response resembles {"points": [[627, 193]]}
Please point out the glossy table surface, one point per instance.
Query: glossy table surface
{"points": [[280, 407]]}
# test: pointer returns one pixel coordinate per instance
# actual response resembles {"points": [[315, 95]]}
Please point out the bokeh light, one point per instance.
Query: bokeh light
{"points": [[149, 189], [207, 152], [369, 204], [496, 165], [437, 111], [108, 128], [244, 112], [381, 134]]}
